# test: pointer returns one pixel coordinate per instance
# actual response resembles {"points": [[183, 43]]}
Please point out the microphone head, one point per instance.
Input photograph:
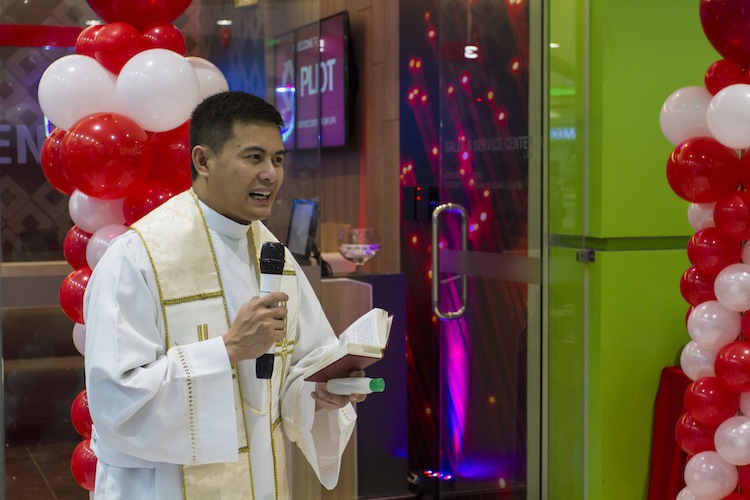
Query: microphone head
{"points": [[272, 258]]}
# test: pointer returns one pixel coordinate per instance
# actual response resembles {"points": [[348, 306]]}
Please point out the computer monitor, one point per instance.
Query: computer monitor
{"points": [[303, 226]]}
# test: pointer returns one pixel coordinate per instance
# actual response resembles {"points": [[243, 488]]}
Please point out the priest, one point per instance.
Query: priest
{"points": [[175, 322]]}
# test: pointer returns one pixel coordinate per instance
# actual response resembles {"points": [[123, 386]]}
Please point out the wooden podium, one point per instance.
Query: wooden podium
{"points": [[374, 464]]}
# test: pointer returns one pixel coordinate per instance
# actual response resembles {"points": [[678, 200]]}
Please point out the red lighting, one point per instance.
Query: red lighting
{"points": [[465, 79], [451, 89], [431, 34]]}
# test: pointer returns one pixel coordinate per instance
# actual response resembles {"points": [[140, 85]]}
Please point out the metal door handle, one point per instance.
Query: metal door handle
{"points": [[455, 208]]}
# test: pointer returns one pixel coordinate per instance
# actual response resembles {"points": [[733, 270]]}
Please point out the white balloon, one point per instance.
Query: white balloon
{"points": [[728, 116], [686, 494], [90, 213], [732, 287], [732, 440], [79, 338], [712, 326], [210, 78], [158, 89], [99, 242], [683, 114], [696, 361], [701, 215], [709, 476], [76, 86]]}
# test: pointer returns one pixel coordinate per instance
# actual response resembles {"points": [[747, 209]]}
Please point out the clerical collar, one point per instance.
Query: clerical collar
{"points": [[222, 224]]}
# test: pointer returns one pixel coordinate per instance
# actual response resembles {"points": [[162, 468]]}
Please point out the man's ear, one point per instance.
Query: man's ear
{"points": [[199, 156]]}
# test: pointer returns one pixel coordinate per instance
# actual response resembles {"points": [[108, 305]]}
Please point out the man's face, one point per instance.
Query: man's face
{"points": [[241, 182]]}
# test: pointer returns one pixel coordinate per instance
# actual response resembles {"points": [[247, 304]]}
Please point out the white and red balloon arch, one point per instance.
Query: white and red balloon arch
{"points": [[120, 107], [709, 125]]}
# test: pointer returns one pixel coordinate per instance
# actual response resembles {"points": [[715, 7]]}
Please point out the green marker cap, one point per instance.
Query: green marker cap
{"points": [[377, 385]]}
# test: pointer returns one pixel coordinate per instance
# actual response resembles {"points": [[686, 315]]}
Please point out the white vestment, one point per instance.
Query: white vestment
{"points": [[144, 428]]}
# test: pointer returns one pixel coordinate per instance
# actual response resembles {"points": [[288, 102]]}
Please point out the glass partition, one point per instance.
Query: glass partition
{"points": [[567, 229]]}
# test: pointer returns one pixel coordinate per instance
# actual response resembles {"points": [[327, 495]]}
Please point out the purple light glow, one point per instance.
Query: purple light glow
{"points": [[456, 379]]}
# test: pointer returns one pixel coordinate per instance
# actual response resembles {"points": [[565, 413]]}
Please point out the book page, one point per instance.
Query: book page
{"points": [[361, 332], [367, 329]]}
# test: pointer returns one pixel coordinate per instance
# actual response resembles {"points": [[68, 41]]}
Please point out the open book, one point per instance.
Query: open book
{"points": [[360, 345]]}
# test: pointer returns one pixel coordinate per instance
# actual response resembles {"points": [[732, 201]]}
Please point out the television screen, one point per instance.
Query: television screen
{"points": [[303, 225], [313, 84]]}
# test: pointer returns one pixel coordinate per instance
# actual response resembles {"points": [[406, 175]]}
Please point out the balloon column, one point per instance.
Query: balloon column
{"points": [[709, 126], [121, 107]]}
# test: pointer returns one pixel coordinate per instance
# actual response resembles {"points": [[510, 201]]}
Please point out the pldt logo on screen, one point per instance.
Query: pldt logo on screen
{"points": [[318, 77]]}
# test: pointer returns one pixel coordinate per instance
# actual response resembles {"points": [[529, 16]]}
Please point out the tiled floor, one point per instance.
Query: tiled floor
{"points": [[41, 472]]}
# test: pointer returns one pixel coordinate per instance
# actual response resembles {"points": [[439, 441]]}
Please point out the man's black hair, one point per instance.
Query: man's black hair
{"points": [[212, 121]]}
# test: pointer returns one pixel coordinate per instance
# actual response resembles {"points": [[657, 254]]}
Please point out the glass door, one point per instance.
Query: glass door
{"points": [[486, 249]]}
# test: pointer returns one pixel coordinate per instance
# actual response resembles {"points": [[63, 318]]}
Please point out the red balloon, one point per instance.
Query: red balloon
{"points": [[71, 293], [83, 465], [151, 194], [696, 286], [80, 415], [163, 36], [693, 436], [732, 215], [106, 155], [744, 478], [702, 170], [745, 171], [52, 162], [723, 73], [745, 325], [711, 251], [736, 496], [139, 13], [732, 366], [85, 41], [74, 247], [710, 402], [115, 44], [172, 157], [726, 24]]}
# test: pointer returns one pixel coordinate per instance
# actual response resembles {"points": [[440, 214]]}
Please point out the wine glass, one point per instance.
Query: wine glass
{"points": [[359, 244]]}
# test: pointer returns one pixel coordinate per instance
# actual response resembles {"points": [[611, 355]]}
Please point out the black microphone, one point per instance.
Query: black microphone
{"points": [[271, 268]]}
